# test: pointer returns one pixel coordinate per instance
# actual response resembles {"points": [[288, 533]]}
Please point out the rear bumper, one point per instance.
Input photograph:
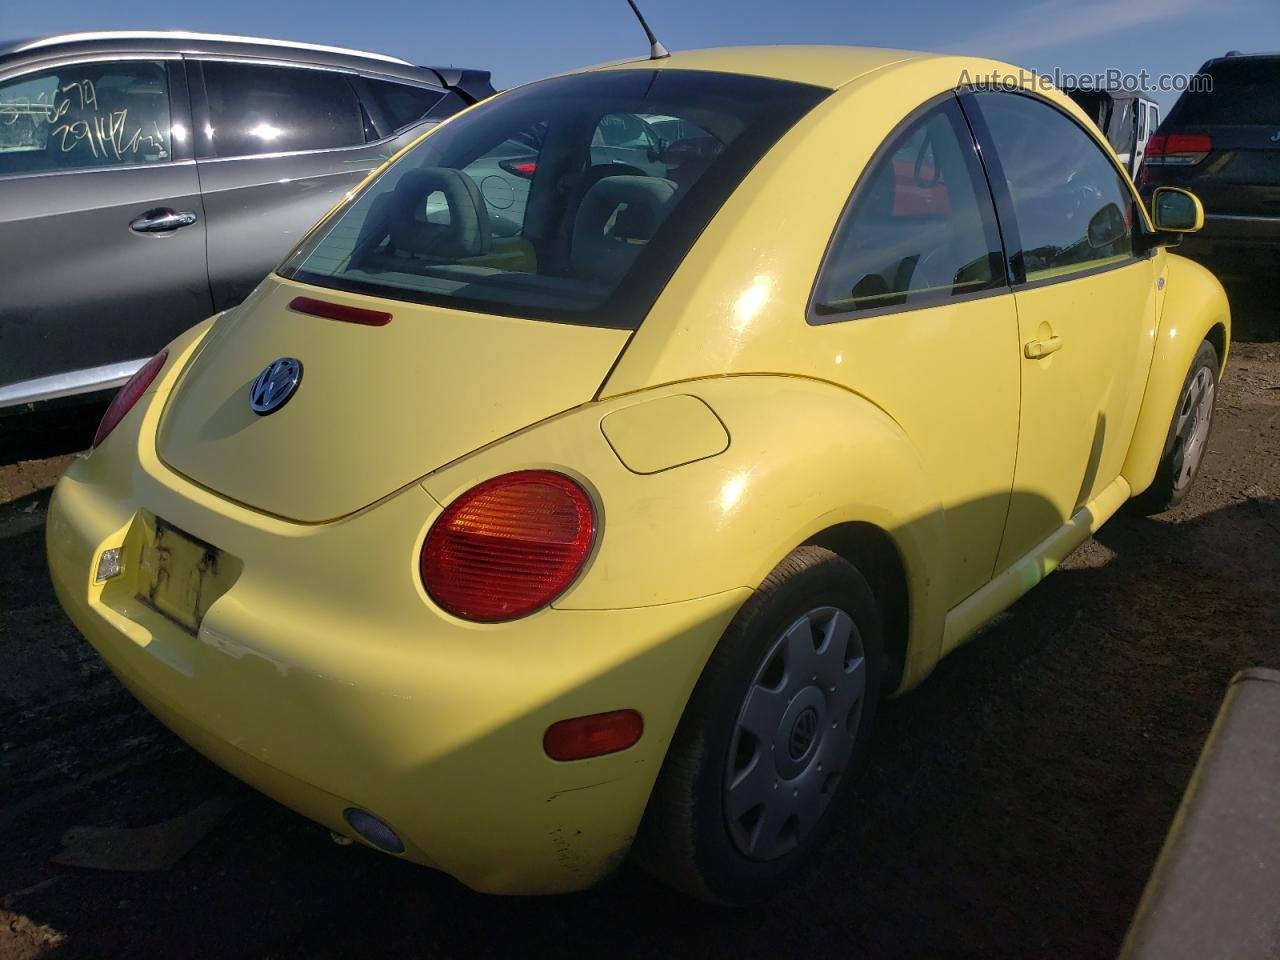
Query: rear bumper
{"points": [[325, 678], [1233, 256]]}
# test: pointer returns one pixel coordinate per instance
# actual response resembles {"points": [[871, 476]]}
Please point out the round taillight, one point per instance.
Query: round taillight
{"points": [[129, 394], [508, 546]]}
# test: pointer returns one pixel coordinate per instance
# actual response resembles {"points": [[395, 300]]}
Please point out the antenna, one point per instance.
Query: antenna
{"points": [[656, 50]]}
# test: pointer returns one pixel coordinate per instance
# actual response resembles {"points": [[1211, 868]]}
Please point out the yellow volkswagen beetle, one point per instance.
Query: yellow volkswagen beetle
{"points": [[582, 482]]}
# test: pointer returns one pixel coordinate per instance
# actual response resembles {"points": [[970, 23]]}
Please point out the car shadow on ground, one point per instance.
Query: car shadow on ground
{"points": [[49, 431], [1012, 805], [1254, 317]]}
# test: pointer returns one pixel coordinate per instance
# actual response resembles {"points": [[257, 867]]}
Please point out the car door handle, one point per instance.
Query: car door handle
{"points": [[1035, 349], [162, 220]]}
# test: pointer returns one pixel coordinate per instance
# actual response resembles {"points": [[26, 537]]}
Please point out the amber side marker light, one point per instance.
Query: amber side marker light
{"points": [[129, 394], [338, 311], [593, 736]]}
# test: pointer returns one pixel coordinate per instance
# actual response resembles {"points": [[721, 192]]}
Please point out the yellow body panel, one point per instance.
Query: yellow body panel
{"points": [[1079, 403], [658, 434], [468, 377], [326, 678], [729, 432], [818, 64]]}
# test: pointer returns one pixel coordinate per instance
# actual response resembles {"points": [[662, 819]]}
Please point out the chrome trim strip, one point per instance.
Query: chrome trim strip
{"points": [[1241, 218], [70, 383], [352, 148], [117, 168], [9, 72], [187, 35]]}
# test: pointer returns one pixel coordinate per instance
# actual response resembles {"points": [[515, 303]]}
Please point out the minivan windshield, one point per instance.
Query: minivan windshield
{"points": [[572, 200]]}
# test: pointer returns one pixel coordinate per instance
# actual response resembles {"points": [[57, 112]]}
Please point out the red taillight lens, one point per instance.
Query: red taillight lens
{"points": [[129, 394], [520, 168], [593, 736], [509, 546], [1177, 149]]}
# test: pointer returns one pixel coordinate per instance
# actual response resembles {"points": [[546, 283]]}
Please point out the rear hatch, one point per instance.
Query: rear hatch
{"points": [[377, 406], [1234, 130]]}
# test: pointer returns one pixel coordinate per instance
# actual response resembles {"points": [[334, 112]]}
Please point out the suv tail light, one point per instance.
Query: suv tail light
{"points": [[1177, 149], [508, 546], [129, 394]]}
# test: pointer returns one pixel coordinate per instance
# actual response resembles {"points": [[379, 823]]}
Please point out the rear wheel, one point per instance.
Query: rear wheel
{"points": [[1188, 436], [772, 736]]}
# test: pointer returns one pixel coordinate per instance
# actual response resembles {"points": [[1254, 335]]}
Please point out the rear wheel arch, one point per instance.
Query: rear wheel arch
{"points": [[878, 558], [1218, 339]]}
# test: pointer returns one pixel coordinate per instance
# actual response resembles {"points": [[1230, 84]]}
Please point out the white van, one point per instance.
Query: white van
{"points": [[1127, 119]]}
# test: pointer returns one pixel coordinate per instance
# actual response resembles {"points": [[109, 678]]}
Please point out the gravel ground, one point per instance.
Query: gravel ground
{"points": [[1013, 805]]}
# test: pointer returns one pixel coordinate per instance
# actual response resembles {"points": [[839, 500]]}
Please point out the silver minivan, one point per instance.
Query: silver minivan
{"points": [[148, 180]]}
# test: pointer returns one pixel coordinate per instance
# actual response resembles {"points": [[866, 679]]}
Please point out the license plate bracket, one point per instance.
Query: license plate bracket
{"points": [[180, 576]]}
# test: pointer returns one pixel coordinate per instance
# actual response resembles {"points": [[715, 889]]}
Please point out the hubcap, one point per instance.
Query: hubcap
{"points": [[1195, 414], [794, 733]]}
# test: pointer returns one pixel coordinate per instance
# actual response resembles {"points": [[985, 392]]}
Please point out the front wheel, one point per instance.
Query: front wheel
{"points": [[772, 736], [1188, 436]]}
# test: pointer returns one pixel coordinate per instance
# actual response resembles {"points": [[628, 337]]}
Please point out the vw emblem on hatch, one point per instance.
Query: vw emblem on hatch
{"points": [[1275, 137], [272, 388]]}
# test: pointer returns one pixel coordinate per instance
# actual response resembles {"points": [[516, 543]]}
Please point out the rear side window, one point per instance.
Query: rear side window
{"points": [[1246, 91], [1074, 211], [256, 109], [556, 201], [921, 229], [394, 106], [85, 115]]}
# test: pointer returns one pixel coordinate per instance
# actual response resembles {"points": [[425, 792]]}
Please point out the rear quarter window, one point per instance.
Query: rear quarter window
{"points": [[394, 106]]}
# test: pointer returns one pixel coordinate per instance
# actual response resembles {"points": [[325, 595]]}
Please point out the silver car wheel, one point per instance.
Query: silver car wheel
{"points": [[795, 734], [1195, 414]]}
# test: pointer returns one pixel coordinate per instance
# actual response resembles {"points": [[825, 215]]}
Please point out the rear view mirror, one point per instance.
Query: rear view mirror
{"points": [[1107, 227], [1176, 211]]}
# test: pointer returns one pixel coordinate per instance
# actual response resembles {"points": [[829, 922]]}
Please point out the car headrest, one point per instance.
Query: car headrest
{"points": [[616, 218], [465, 234]]}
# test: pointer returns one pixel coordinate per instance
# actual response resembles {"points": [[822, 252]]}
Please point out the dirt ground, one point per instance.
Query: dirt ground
{"points": [[1013, 805]]}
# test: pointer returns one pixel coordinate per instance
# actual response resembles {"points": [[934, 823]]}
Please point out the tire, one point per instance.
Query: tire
{"points": [[703, 831], [1188, 436]]}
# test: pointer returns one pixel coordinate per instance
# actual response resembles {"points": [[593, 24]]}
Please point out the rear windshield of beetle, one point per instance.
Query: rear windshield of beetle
{"points": [[571, 200]]}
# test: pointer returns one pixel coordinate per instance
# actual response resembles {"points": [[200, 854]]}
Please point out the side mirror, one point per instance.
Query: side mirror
{"points": [[1176, 211]]}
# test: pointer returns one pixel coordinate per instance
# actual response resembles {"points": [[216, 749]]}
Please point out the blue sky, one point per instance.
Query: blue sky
{"points": [[521, 40]]}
